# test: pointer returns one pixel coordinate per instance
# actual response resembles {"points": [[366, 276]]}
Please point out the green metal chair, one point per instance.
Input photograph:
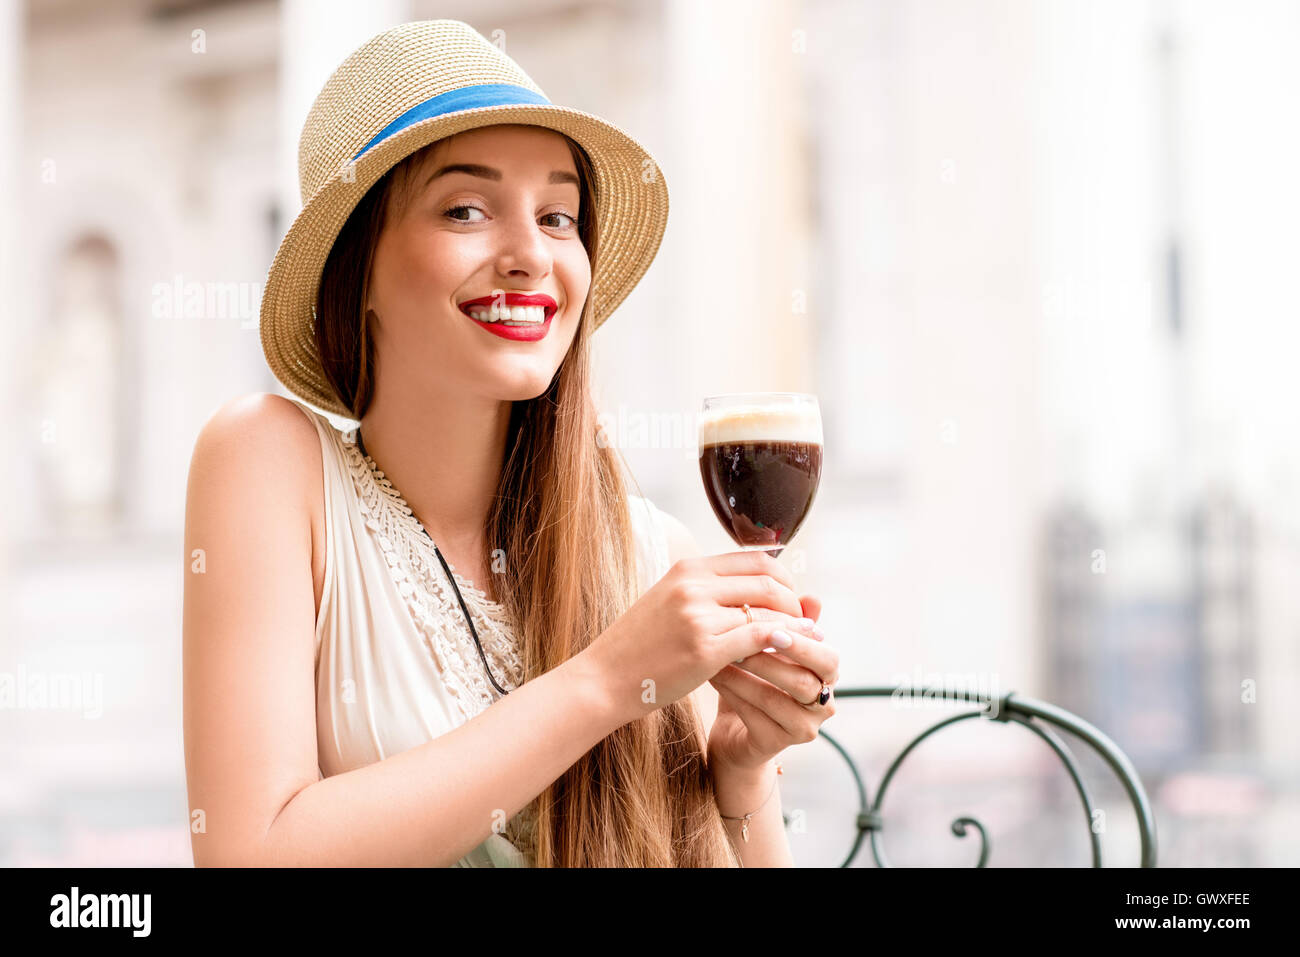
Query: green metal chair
{"points": [[1039, 718]]}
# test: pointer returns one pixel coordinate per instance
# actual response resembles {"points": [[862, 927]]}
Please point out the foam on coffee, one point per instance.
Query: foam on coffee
{"points": [[741, 423]]}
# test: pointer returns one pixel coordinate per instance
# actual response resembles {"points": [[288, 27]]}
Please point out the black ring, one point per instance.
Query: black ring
{"points": [[822, 696]]}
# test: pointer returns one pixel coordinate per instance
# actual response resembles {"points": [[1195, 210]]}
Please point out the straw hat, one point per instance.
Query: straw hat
{"points": [[406, 88]]}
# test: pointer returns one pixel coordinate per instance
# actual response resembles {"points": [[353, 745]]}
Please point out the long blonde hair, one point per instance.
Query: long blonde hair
{"points": [[642, 797]]}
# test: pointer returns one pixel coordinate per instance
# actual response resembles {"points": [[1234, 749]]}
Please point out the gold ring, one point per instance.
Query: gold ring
{"points": [[750, 619]]}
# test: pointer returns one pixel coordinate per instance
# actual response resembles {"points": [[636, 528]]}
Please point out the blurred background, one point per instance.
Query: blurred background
{"points": [[1032, 257]]}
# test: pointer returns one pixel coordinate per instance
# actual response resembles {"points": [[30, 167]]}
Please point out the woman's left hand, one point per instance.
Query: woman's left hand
{"points": [[763, 702]]}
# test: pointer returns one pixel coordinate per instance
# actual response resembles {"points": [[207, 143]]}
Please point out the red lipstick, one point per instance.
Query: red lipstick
{"points": [[521, 333]]}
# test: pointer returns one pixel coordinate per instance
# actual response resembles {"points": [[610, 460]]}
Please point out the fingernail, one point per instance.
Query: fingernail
{"points": [[781, 640], [805, 623], [818, 633]]}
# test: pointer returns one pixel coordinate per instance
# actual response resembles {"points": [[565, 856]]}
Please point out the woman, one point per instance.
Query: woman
{"points": [[338, 669]]}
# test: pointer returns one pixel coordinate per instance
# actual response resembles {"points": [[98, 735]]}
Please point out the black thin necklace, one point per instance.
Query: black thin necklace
{"points": [[451, 578]]}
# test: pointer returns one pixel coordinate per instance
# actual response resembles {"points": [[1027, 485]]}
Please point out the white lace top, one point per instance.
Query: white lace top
{"points": [[396, 665]]}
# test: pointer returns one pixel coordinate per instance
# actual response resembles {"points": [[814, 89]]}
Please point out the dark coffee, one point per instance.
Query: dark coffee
{"points": [[761, 475]]}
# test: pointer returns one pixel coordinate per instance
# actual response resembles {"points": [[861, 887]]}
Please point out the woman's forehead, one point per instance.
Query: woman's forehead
{"points": [[505, 147]]}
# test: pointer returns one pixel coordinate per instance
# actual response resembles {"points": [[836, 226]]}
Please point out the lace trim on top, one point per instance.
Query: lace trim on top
{"points": [[421, 581]]}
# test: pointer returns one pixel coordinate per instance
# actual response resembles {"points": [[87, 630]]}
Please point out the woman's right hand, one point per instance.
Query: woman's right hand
{"points": [[691, 624]]}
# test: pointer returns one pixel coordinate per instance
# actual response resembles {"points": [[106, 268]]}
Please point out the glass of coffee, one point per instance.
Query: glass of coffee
{"points": [[761, 461]]}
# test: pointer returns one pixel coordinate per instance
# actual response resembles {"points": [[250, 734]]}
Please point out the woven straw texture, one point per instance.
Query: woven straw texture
{"points": [[384, 78]]}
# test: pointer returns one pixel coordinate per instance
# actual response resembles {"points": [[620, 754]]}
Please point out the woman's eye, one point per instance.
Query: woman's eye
{"points": [[453, 212], [453, 209], [563, 215]]}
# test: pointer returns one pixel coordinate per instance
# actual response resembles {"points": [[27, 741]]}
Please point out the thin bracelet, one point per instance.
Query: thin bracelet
{"points": [[744, 828]]}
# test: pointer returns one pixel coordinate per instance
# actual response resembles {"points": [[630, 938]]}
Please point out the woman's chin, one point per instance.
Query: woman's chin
{"points": [[523, 388]]}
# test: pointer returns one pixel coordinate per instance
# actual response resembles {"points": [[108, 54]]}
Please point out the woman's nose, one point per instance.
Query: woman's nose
{"points": [[523, 248]]}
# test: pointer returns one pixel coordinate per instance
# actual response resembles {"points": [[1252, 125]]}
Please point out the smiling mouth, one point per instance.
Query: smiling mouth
{"points": [[510, 315]]}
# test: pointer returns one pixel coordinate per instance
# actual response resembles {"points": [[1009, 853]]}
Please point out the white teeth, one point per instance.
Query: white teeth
{"points": [[516, 315]]}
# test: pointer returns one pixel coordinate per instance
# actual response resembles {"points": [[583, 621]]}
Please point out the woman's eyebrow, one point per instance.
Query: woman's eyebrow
{"points": [[487, 172]]}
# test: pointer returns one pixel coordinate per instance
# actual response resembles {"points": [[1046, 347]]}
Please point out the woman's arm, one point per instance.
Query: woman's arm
{"points": [[737, 793], [256, 797]]}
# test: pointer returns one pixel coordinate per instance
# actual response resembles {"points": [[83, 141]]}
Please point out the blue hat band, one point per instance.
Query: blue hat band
{"points": [[453, 101]]}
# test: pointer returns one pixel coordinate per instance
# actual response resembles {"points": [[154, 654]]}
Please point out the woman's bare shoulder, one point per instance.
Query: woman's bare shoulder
{"points": [[262, 426], [257, 451]]}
